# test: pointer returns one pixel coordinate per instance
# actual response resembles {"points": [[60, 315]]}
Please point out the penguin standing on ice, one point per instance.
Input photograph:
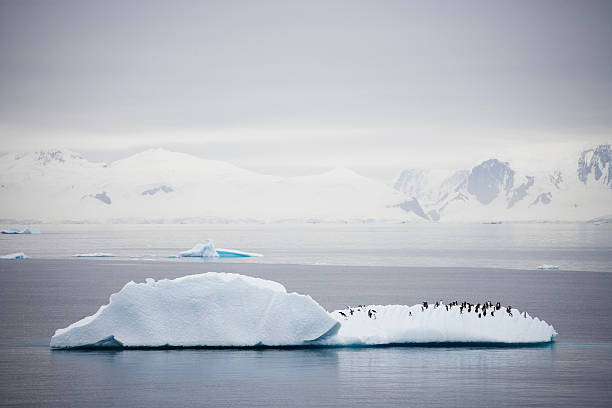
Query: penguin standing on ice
{"points": [[372, 313]]}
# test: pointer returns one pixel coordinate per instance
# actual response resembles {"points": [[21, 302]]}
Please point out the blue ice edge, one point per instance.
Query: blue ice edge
{"points": [[112, 344]]}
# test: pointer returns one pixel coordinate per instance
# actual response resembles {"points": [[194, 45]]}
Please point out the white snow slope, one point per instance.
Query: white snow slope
{"points": [[160, 185], [222, 309]]}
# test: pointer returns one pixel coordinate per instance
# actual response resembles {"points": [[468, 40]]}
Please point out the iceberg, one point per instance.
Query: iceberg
{"points": [[231, 310], [200, 250], [16, 255], [94, 255], [547, 267], [26, 230], [210, 309], [207, 250]]}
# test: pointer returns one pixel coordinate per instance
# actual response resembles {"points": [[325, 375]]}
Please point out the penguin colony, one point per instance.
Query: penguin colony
{"points": [[481, 309]]}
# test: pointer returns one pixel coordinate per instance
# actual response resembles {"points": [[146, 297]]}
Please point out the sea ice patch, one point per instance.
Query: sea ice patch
{"points": [[548, 267], [16, 255], [94, 255], [26, 230]]}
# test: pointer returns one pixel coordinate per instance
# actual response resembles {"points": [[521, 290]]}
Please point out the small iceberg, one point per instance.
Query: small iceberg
{"points": [[94, 255], [231, 310], [26, 230], [548, 267], [208, 250], [16, 255], [201, 250]]}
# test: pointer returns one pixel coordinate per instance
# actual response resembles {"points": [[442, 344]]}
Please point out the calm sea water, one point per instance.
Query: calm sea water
{"points": [[584, 247], [40, 295]]}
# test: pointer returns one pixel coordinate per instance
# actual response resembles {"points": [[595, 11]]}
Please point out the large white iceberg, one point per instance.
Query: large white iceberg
{"points": [[26, 230], [16, 255], [211, 309], [207, 250], [231, 310]]}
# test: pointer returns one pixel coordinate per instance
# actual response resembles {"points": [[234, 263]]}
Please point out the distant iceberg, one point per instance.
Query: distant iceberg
{"points": [[16, 255], [547, 267], [201, 250], [94, 255], [231, 310], [207, 250], [26, 230]]}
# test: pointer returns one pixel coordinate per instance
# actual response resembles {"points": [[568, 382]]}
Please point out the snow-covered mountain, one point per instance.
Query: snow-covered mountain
{"points": [[494, 190], [162, 186]]}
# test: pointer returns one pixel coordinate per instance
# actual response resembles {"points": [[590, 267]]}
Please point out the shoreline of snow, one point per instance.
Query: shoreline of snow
{"points": [[232, 310]]}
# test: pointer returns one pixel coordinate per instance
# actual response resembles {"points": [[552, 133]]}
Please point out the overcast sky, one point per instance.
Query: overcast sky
{"points": [[292, 87]]}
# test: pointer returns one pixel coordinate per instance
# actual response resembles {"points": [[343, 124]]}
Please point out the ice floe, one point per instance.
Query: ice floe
{"points": [[231, 310], [94, 255], [26, 230], [16, 255], [547, 267]]}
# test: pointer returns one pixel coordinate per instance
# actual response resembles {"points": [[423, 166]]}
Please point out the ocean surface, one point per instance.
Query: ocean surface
{"points": [[571, 246], [337, 266]]}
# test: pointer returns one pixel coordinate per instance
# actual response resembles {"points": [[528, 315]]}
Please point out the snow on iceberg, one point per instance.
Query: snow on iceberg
{"points": [[16, 255], [231, 310], [207, 250], [26, 230], [547, 267], [94, 255], [210, 309], [200, 250], [401, 324]]}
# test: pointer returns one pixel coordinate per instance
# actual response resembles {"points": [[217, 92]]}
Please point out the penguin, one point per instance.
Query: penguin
{"points": [[343, 314]]}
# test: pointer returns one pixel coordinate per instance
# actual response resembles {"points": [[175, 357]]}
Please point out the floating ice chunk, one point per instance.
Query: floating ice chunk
{"points": [[411, 324], [211, 309], [547, 267], [26, 230], [94, 255], [222, 309], [207, 250], [201, 250], [16, 255]]}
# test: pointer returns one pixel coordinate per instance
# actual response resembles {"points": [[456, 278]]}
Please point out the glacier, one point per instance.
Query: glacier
{"points": [[16, 255], [208, 250], [231, 310]]}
